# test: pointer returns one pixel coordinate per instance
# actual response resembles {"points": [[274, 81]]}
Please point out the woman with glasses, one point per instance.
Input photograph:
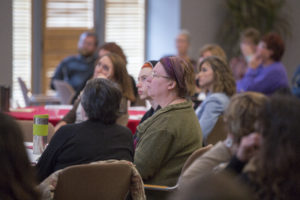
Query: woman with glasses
{"points": [[168, 137], [214, 76]]}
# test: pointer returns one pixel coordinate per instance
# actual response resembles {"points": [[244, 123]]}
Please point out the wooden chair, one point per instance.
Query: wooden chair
{"points": [[196, 154], [27, 130], [35, 99], [64, 91], [218, 133], [108, 181]]}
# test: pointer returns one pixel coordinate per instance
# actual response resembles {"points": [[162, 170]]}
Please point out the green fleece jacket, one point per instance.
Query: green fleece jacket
{"points": [[166, 140]]}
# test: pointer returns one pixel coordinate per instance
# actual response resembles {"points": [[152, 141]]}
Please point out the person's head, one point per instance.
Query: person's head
{"points": [[213, 187], [211, 50], [145, 72], [249, 40], [242, 113], [17, 179], [183, 42], [111, 47], [101, 100], [171, 75], [215, 75], [87, 43], [113, 67], [278, 172], [271, 47]]}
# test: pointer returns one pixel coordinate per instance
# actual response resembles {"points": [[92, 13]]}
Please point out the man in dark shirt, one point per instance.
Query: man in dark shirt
{"points": [[76, 70]]}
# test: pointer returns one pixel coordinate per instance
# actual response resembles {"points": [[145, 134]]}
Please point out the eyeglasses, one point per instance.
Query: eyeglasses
{"points": [[158, 76]]}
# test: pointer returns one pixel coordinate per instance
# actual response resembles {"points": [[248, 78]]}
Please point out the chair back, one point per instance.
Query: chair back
{"points": [[65, 91], [27, 130], [94, 181], [24, 91], [218, 133], [196, 154]]}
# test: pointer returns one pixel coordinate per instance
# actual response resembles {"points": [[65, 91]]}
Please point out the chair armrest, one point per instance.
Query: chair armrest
{"points": [[160, 187]]}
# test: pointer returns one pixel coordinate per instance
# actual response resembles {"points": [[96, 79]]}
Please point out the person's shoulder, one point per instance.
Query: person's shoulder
{"points": [[121, 129], [218, 96], [70, 58]]}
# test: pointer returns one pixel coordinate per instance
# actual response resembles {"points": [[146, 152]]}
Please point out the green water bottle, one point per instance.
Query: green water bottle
{"points": [[40, 133]]}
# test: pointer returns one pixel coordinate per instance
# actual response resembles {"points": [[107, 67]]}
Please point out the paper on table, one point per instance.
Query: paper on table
{"points": [[135, 117], [63, 107], [138, 108], [28, 110]]}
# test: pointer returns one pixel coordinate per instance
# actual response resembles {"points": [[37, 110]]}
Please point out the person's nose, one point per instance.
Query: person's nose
{"points": [[149, 79], [139, 84]]}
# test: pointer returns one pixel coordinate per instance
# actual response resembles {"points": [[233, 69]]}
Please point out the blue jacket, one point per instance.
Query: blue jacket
{"points": [[209, 111], [75, 70]]}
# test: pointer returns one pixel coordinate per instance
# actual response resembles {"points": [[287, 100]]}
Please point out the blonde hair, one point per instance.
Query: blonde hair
{"points": [[242, 113], [223, 77], [215, 50]]}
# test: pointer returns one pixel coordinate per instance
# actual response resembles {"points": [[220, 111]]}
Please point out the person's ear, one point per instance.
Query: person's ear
{"points": [[171, 84]]}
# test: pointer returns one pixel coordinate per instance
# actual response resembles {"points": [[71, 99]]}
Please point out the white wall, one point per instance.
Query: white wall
{"points": [[163, 19]]}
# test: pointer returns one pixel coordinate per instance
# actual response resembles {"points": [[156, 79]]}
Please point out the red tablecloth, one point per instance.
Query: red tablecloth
{"points": [[56, 113]]}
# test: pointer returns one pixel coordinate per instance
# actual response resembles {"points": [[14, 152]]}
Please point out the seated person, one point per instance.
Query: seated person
{"points": [[214, 76], [183, 41], [206, 51], [98, 138], [112, 47], [112, 67], [76, 70], [211, 50], [145, 72], [17, 177], [248, 44], [173, 133], [275, 148], [240, 117], [266, 73]]}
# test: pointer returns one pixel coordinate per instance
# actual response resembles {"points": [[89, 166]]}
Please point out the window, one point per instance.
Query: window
{"points": [[21, 48], [125, 25], [65, 21], [68, 14]]}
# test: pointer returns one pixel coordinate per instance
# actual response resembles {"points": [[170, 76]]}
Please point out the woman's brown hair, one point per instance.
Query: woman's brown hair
{"points": [[277, 171], [121, 75], [223, 78], [242, 113], [182, 72], [17, 178]]}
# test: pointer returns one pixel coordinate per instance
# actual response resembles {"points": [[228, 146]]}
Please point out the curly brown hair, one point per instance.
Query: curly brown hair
{"points": [[223, 77], [278, 171], [242, 112]]}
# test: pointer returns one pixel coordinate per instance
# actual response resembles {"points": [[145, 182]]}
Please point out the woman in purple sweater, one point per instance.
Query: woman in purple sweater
{"points": [[266, 74]]}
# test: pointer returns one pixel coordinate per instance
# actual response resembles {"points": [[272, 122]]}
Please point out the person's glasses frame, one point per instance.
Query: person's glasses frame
{"points": [[153, 75]]}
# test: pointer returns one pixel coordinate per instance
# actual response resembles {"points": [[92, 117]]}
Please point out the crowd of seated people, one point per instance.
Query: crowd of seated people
{"points": [[260, 152]]}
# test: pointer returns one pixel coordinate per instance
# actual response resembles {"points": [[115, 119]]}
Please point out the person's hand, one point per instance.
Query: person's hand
{"points": [[255, 62], [248, 147]]}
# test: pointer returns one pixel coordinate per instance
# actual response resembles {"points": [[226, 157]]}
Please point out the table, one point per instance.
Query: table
{"points": [[57, 112]]}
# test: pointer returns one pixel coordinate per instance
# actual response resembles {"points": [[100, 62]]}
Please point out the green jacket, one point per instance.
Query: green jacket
{"points": [[166, 140]]}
